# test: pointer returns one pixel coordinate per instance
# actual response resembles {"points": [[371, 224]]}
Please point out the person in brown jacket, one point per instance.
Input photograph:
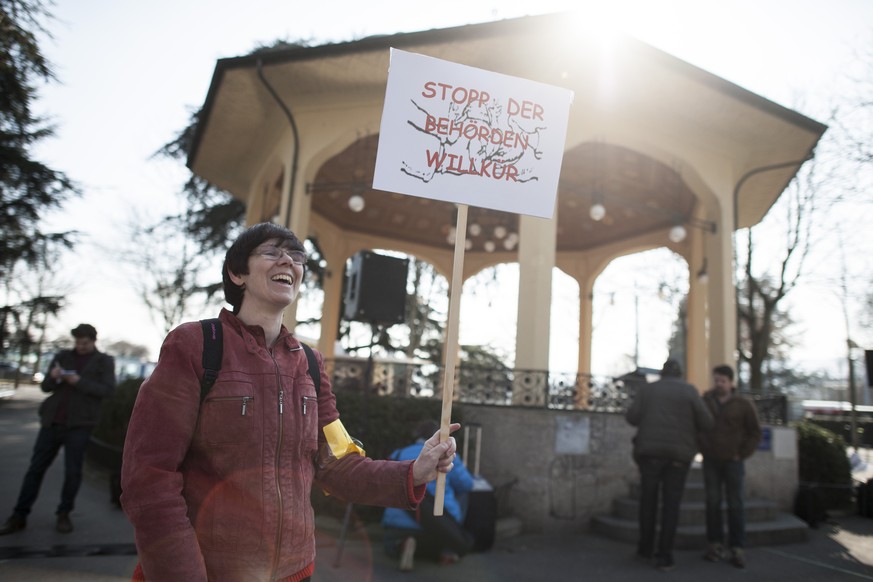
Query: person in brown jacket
{"points": [[734, 438]]}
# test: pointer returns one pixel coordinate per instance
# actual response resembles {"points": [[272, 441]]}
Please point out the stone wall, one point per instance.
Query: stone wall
{"points": [[772, 473], [555, 469], [566, 465]]}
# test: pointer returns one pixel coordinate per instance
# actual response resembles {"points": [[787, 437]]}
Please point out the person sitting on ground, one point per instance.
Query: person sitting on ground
{"points": [[420, 533]]}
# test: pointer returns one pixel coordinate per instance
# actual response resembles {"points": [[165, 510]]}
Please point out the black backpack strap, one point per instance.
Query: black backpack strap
{"points": [[314, 372], [213, 351]]}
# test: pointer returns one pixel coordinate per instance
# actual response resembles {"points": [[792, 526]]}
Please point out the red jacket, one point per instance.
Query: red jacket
{"points": [[220, 490]]}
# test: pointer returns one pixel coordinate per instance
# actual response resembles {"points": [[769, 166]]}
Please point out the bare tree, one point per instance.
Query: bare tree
{"points": [[854, 116], [761, 292], [33, 295], [167, 270], [424, 320], [128, 350]]}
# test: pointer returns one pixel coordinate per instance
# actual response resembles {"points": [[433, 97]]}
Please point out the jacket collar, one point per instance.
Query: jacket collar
{"points": [[254, 334]]}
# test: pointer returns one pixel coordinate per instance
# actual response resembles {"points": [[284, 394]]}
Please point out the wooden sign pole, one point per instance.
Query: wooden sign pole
{"points": [[450, 348]]}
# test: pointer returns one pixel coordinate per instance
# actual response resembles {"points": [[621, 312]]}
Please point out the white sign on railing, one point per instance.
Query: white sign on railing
{"points": [[460, 134]]}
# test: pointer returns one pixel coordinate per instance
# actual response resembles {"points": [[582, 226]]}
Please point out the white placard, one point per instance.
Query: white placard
{"points": [[784, 442], [572, 435], [469, 136]]}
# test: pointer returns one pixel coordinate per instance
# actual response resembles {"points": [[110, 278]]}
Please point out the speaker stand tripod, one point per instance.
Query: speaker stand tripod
{"points": [[368, 385]]}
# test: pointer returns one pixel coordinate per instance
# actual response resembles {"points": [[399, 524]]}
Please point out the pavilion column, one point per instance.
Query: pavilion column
{"points": [[721, 298], [294, 210], [586, 325], [536, 258], [330, 309], [586, 330], [254, 206], [697, 352]]}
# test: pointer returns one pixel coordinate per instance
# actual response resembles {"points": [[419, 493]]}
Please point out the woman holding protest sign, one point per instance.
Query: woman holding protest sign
{"points": [[218, 486]]}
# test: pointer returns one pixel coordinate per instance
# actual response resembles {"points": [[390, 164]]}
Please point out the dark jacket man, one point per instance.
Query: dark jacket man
{"points": [[82, 401], [669, 413], [78, 380]]}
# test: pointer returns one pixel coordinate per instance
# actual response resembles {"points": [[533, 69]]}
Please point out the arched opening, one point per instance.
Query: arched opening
{"points": [[637, 299], [489, 311], [564, 328]]}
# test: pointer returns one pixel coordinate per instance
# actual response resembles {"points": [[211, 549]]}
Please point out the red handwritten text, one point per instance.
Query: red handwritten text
{"points": [[462, 165], [459, 95], [525, 109], [496, 136]]}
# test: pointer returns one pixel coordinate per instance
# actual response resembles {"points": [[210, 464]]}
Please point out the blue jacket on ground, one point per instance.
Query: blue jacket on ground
{"points": [[458, 482]]}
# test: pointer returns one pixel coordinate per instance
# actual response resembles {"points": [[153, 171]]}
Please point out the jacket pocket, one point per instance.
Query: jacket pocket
{"points": [[228, 418], [304, 422], [309, 424]]}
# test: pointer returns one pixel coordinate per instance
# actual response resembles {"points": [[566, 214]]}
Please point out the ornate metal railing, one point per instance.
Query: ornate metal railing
{"points": [[500, 387], [507, 387], [772, 409]]}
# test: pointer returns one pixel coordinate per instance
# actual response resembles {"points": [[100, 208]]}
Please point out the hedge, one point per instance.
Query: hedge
{"points": [[824, 464]]}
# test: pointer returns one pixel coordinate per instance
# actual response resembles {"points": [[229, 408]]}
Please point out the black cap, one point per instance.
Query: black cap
{"points": [[84, 330]]}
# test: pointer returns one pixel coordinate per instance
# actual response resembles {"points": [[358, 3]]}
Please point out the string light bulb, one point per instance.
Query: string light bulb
{"points": [[356, 203], [597, 212]]}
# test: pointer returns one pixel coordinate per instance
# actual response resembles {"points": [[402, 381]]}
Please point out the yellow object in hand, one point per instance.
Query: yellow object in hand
{"points": [[341, 444]]}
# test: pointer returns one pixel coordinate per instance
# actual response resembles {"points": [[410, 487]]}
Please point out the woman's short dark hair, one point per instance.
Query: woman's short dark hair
{"points": [[236, 260]]}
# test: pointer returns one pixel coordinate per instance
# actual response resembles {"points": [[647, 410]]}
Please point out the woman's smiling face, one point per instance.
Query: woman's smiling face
{"points": [[274, 276]]}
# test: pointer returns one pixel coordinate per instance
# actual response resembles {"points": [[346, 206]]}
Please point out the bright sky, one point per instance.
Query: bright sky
{"points": [[131, 72]]}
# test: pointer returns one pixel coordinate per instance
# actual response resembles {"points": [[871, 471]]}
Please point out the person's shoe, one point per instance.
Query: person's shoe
{"points": [[64, 525], [738, 558], [448, 557], [642, 556], [714, 553], [13, 524], [664, 564], [407, 554]]}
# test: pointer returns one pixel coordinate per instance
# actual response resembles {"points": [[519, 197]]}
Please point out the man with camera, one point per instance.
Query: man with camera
{"points": [[78, 380]]}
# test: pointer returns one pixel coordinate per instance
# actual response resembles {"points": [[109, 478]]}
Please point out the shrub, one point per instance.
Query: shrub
{"points": [[115, 414], [384, 423], [823, 462]]}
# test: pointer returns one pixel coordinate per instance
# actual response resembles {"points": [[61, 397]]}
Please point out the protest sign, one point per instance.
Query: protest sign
{"points": [[459, 134]]}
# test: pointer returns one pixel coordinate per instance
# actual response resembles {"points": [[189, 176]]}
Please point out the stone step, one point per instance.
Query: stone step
{"points": [[694, 491], [694, 512], [784, 528]]}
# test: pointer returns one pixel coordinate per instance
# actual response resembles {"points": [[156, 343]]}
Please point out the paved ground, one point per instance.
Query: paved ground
{"points": [[101, 548]]}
